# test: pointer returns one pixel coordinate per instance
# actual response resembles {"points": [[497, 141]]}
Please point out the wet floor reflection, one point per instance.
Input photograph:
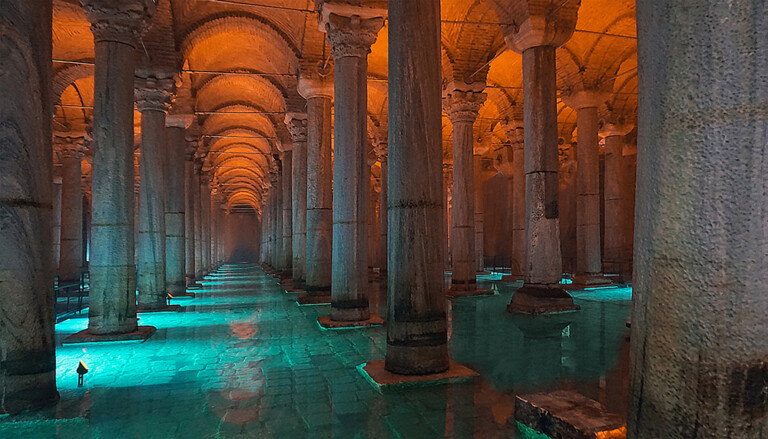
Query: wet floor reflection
{"points": [[242, 360]]}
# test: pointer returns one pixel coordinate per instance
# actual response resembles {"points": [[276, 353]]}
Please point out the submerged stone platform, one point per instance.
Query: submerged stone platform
{"points": [[85, 336], [382, 379]]}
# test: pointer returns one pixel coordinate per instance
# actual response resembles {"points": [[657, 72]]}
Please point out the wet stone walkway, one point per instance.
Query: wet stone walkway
{"points": [[243, 360]]}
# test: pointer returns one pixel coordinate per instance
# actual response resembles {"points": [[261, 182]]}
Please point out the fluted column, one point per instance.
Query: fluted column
{"points": [[27, 356], [189, 209], [286, 210], [175, 209], [297, 125], [198, 214], [72, 150], [350, 38], [416, 314], [462, 106], [205, 221], [319, 94], [153, 99], [112, 301], [383, 200]]}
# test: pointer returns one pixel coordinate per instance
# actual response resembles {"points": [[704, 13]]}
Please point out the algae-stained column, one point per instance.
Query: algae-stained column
{"points": [[319, 93], [297, 125], [462, 103], [153, 99], [175, 209], [72, 150], [416, 316], [116, 28], [189, 209], [699, 332], [286, 212], [350, 34], [27, 357]]}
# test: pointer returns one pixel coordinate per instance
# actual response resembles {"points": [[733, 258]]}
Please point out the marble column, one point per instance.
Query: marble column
{"points": [[27, 357], [589, 266], [297, 125], [538, 34], [205, 222], [462, 103], [71, 252], [383, 200], [116, 28], [616, 232], [153, 99], [318, 93], [350, 38], [190, 205], [198, 215], [56, 229], [416, 314], [699, 332], [286, 210], [515, 134], [175, 209]]}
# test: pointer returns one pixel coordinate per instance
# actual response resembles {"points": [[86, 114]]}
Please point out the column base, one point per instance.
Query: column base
{"points": [[314, 298], [141, 333], [384, 380], [454, 293], [569, 415], [168, 308], [581, 281], [540, 299], [325, 322]]}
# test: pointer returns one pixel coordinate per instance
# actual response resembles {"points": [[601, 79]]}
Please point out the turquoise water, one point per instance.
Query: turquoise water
{"points": [[243, 360]]}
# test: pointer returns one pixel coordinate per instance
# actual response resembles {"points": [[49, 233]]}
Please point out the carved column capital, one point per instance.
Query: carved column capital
{"points": [[351, 35], [120, 21], [315, 87], [297, 126], [182, 121], [538, 23], [154, 93], [463, 106], [70, 147]]}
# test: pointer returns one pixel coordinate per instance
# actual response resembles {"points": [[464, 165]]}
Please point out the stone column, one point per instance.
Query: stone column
{"points": [[56, 229], [462, 103], [71, 253], [190, 205], [205, 222], [616, 233], [112, 302], [153, 99], [277, 217], [699, 330], [350, 38], [538, 34], [27, 356], [477, 161], [214, 228], [318, 93], [286, 210], [447, 196], [416, 315], [198, 215], [515, 134], [589, 269], [175, 209], [383, 200], [373, 223], [297, 125]]}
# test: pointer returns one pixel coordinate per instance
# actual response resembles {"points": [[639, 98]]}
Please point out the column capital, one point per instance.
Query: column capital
{"points": [[539, 23], [315, 87], [614, 129], [297, 126], [515, 133], [70, 146], [463, 106], [578, 100], [120, 21], [154, 93], [182, 121], [352, 30]]}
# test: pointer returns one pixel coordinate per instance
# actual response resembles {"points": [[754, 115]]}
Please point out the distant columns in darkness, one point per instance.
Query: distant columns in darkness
{"points": [[416, 310], [116, 28], [699, 331], [462, 102], [72, 150], [350, 38], [27, 360], [153, 99]]}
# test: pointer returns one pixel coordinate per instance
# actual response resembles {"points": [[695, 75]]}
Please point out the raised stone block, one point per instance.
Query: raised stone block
{"points": [[85, 336], [383, 380], [325, 322], [567, 414], [541, 300]]}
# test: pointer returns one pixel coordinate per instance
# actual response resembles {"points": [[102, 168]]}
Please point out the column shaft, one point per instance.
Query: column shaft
{"points": [[463, 216], [175, 182], [56, 229], [198, 215], [614, 226], [416, 319], [519, 244], [189, 217], [205, 220], [286, 210], [588, 251], [299, 210], [71, 262], [382, 263], [479, 215]]}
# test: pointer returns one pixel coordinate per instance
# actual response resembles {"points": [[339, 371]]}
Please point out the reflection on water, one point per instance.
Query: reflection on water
{"points": [[243, 360]]}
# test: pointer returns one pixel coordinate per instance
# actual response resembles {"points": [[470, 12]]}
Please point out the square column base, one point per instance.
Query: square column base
{"points": [[535, 299], [314, 299], [141, 333], [325, 322], [581, 282], [451, 293], [569, 415], [383, 380]]}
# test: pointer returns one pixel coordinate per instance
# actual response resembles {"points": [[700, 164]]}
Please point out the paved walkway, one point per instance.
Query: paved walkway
{"points": [[242, 360]]}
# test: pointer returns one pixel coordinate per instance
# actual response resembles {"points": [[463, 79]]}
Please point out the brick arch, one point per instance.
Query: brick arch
{"points": [[67, 76]]}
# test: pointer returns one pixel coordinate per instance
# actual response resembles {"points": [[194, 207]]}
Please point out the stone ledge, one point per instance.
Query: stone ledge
{"points": [[325, 322], [141, 334], [451, 293], [168, 308], [314, 299], [568, 415], [384, 380]]}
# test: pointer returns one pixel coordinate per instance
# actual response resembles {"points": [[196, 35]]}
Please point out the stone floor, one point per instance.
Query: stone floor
{"points": [[242, 360]]}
